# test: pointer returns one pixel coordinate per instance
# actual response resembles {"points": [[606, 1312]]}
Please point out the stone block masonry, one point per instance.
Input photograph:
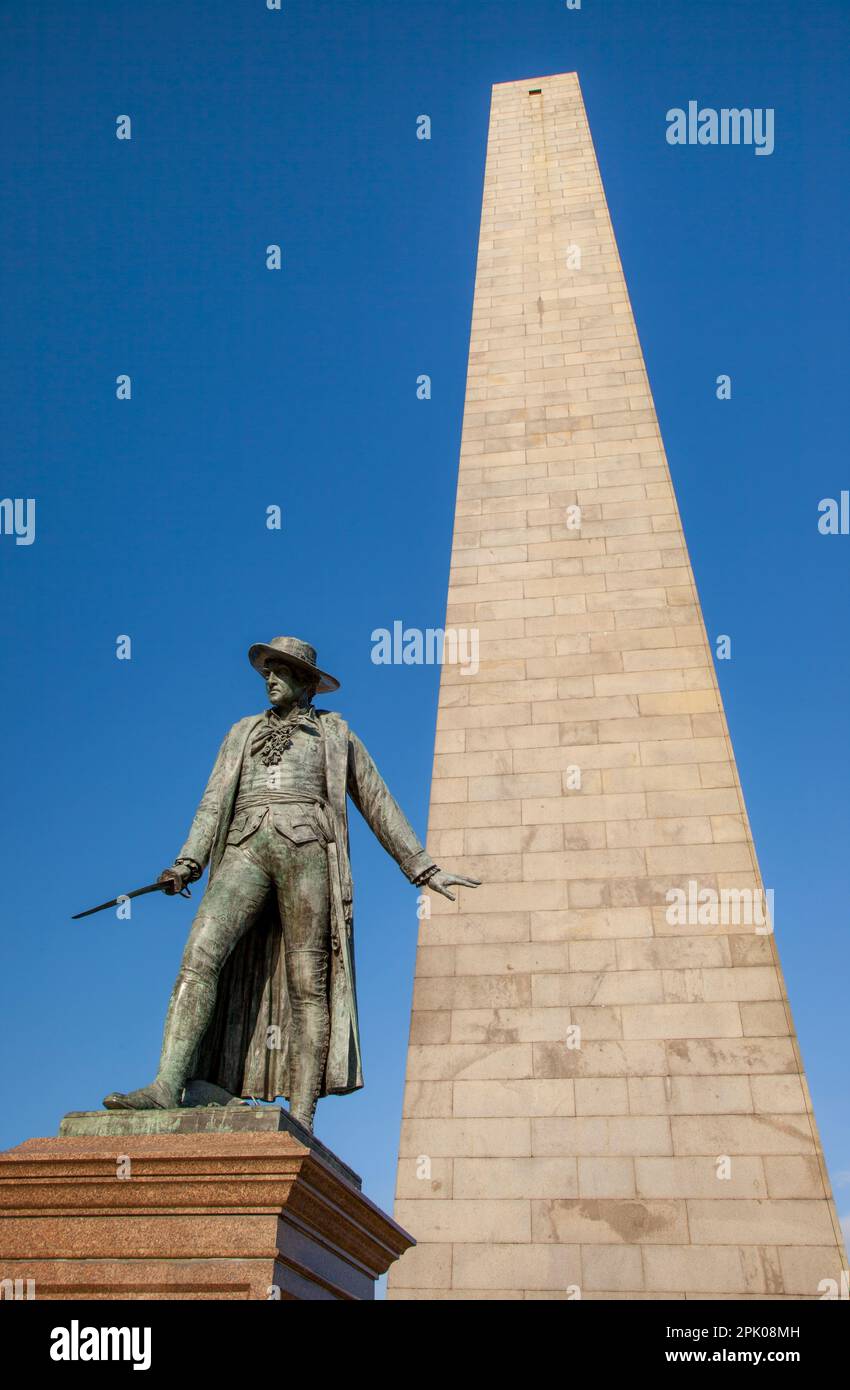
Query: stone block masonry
{"points": [[600, 1102]]}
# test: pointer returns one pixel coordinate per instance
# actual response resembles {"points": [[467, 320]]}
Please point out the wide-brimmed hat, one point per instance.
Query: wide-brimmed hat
{"points": [[296, 653]]}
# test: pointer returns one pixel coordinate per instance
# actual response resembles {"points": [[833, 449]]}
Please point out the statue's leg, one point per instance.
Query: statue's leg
{"points": [[230, 906], [304, 902]]}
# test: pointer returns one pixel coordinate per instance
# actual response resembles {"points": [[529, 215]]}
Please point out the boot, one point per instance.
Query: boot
{"points": [[308, 983], [157, 1096], [308, 1068]]}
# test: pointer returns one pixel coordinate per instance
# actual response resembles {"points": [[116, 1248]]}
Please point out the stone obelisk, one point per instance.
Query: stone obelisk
{"points": [[605, 1097]]}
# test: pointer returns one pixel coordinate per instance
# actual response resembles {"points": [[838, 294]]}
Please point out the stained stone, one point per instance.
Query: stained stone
{"points": [[578, 1063], [232, 1204]]}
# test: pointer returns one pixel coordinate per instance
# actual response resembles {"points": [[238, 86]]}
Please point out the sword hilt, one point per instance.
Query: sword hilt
{"points": [[170, 885]]}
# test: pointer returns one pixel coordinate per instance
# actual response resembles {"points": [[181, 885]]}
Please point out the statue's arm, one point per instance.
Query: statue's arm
{"points": [[199, 843], [383, 815]]}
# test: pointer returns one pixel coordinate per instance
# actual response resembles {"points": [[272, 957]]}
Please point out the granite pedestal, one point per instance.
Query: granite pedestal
{"points": [[205, 1203]]}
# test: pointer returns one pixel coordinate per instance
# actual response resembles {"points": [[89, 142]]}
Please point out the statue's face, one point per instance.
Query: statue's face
{"points": [[283, 683]]}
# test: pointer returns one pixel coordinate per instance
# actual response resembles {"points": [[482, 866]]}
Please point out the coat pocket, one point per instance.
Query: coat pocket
{"points": [[244, 824], [298, 825]]}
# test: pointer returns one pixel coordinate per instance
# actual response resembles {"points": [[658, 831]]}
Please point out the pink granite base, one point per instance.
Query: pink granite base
{"points": [[195, 1216]]}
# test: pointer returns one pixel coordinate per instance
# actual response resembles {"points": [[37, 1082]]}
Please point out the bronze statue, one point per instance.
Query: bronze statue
{"points": [[264, 1004]]}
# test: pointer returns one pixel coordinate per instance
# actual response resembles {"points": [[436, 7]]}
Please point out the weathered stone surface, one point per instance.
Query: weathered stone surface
{"points": [[213, 1119], [227, 1215], [607, 1099]]}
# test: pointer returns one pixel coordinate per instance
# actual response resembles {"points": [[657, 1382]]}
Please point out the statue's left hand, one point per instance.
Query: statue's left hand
{"points": [[441, 882]]}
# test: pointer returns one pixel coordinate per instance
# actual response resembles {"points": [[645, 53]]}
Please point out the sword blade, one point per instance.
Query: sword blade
{"points": [[113, 902]]}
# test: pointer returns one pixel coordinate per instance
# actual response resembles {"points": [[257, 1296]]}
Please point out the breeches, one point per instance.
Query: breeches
{"points": [[248, 874]]}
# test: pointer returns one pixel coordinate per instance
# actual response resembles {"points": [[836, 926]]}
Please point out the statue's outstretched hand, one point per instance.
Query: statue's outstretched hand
{"points": [[441, 882]]}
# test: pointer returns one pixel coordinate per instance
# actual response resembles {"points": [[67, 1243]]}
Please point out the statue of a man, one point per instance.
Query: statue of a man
{"points": [[264, 1004]]}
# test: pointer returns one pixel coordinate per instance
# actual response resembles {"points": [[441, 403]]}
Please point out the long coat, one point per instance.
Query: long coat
{"points": [[246, 1048]]}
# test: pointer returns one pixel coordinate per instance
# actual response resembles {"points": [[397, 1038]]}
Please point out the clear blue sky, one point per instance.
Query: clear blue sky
{"points": [[252, 388]]}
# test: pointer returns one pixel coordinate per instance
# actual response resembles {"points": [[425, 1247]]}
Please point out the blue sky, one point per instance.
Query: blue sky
{"points": [[253, 388]]}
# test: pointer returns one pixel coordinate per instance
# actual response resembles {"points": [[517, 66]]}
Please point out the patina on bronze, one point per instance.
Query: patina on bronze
{"points": [[265, 1004]]}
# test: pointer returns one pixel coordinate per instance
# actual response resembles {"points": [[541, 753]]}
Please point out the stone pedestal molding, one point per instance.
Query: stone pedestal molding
{"points": [[253, 1214]]}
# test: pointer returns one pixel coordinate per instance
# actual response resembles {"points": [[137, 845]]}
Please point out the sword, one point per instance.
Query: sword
{"points": [[162, 885]]}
